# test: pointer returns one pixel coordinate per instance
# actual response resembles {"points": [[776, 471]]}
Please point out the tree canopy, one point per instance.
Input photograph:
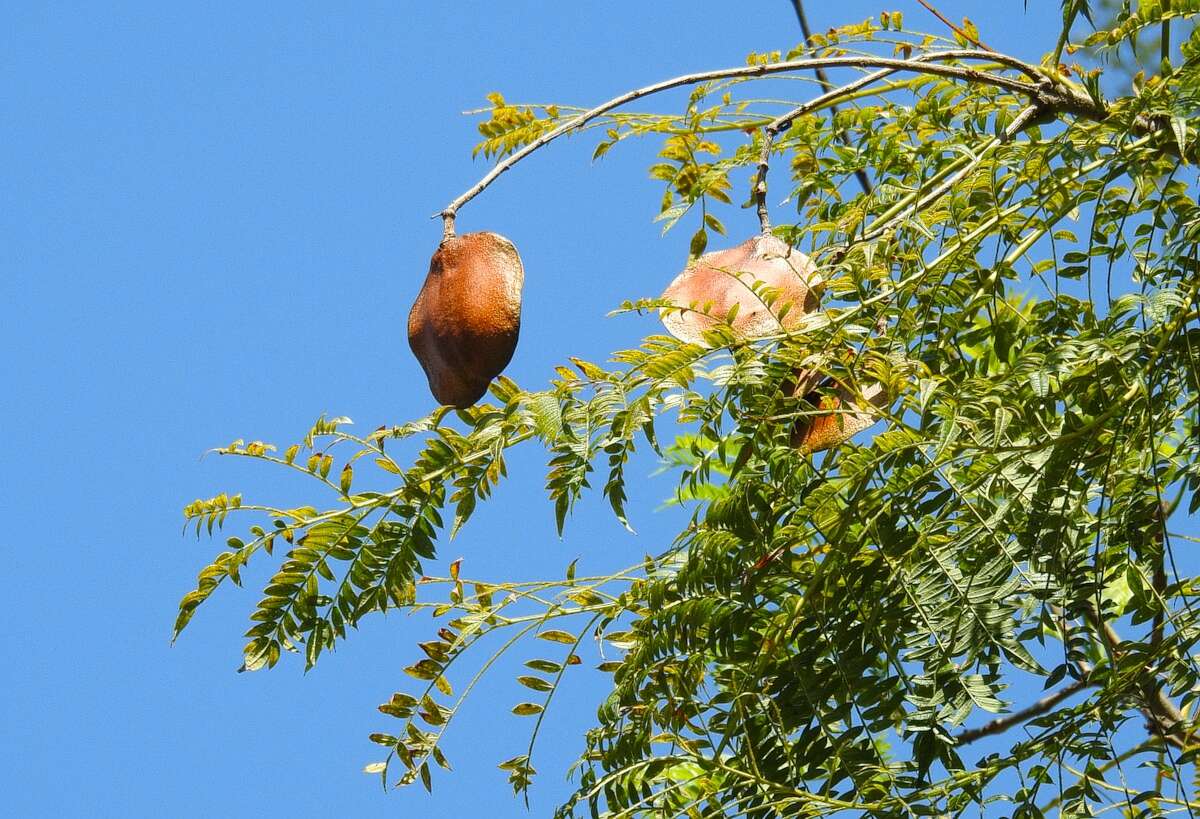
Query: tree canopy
{"points": [[1011, 252]]}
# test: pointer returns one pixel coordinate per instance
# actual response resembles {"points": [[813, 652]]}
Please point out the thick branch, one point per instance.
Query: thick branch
{"points": [[892, 64], [1002, 724]]}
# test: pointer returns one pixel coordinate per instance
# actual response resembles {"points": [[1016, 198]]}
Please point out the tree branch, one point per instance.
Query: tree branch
{"points": [[784, 121], [1162, 716], [1169, 717], [1148, 745], [1002, 724], [922, 64], [1159, 580]]}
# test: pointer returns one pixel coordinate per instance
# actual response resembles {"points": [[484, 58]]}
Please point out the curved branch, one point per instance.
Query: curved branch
{"points": [[892, 64], [784, 121]]}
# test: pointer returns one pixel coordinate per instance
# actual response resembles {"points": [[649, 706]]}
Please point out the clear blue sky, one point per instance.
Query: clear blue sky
{"points": [[214, 221]]}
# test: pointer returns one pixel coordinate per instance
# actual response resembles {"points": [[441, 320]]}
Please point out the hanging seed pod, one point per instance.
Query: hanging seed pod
{"points": [[464, 324], [844, 415], [711, 285]]}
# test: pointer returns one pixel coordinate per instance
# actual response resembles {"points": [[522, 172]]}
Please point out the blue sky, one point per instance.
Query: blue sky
{"points": [[215, 220]]}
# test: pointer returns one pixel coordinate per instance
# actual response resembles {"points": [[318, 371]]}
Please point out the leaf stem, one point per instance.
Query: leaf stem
{"points": [[929, 7]]}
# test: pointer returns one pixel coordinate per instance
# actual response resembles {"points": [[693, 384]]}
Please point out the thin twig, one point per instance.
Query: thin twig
{"points": [[957, 72], [1159, 581], [1148, 745], [861, 175], [953, 27], [948, 178], [1038, 708], [951, 176]]}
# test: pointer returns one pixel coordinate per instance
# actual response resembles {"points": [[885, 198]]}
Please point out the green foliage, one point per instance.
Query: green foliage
{"points": [[832, 633]]}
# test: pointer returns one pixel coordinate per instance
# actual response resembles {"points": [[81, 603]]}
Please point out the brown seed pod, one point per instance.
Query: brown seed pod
{"points": [[463, 326], [846, 414], [717, 281]]}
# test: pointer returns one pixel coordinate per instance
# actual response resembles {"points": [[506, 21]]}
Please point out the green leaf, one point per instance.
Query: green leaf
{"points": [[1179, 127], [424, 670]]}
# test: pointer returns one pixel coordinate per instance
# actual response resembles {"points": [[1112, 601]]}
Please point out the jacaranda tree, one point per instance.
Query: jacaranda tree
{"points": [[1010, 262]]}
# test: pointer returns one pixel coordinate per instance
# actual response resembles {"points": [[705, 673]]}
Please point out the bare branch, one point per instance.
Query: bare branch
{"points": [[922, 64], [1002, 724]]}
